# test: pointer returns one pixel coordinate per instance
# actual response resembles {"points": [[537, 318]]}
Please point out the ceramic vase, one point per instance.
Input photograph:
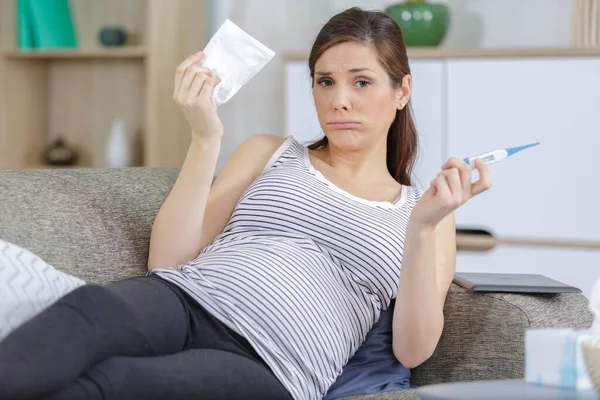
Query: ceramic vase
{"points": [[423, 23], [118, 151]]}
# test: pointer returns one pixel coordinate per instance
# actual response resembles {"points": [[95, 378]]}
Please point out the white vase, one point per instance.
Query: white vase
{"points": [[118, 146]]}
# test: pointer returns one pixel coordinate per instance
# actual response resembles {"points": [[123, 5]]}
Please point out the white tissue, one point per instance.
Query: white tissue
{"points": [[235, 57], [554, 357], [595, 306]]}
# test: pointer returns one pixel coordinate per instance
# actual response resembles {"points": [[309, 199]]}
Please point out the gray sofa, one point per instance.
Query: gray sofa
{"points": [[95, 224]]}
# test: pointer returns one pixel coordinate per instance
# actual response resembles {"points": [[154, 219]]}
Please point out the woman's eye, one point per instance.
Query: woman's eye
{"points": [[325, 82], [362, 83]]}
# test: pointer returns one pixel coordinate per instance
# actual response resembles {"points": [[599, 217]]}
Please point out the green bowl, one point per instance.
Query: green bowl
{"points": [[424, 24]]}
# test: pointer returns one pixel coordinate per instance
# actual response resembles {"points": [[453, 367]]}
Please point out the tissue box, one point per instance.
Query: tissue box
{"points": [[554, 357]]}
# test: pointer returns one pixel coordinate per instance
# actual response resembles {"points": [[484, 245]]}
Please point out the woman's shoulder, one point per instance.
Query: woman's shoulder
{"points": [[261, 147], [277, 147], [414, 192], [264, 149], [264, 141], [409, 196], [253, 153]]}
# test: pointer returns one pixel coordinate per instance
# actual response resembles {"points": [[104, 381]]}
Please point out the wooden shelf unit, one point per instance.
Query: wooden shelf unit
{"points": [[125, 52], [449, 52], [77, 93]]}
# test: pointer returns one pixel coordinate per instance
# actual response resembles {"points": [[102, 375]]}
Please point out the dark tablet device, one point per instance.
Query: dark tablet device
{"points": [[504, 282]]}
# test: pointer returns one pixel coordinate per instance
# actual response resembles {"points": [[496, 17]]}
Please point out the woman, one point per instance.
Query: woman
{"points": [[285, 262]]}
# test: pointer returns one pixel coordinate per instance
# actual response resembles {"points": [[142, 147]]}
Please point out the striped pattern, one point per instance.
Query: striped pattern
{"points": [[28, 285], [302, 270]]}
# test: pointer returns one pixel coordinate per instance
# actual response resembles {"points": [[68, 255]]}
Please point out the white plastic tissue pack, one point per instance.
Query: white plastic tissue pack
{"points": [[554, 357], [235, 57]]}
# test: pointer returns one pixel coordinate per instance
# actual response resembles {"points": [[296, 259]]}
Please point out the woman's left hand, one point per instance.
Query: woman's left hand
{"points": [[449, 190]]}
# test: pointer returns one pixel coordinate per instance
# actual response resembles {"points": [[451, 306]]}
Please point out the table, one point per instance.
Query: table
{"points": [[500, 389]]}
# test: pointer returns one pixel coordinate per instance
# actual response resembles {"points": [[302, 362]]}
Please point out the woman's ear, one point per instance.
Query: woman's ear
{"points": [[405, 91]]}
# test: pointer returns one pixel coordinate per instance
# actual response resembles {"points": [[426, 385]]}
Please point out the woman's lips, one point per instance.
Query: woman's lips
{"points": [[343, 124]]}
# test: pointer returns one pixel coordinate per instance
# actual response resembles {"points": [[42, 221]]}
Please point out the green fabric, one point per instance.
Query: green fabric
{"points": [[45, 24]]}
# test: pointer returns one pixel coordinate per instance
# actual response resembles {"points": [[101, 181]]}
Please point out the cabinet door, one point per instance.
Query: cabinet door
{"points": [[428, 108], [548, 191], [301, 118]]}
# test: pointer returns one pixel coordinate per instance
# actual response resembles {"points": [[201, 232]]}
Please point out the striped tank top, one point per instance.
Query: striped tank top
{"points": [[302, 270]]}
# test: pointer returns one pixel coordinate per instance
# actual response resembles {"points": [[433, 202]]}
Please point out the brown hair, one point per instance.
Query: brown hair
{"points": [[378, 30]]}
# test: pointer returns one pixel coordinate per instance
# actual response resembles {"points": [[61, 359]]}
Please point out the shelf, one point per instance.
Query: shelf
{"points": [[443, 52], [128, 52], [76, 93], [471, 242]]}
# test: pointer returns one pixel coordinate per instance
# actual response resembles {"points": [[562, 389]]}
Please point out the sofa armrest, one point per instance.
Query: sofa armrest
{"points": [[484, 333]]}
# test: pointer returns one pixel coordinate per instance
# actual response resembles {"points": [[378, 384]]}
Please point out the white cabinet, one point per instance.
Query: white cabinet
{"points": [[300, 115], [301, 118], [548, 191], [428, 109], [464, 107]]}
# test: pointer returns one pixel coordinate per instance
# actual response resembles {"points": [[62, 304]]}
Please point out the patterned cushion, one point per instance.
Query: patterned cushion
{"points": [[27, 286]]}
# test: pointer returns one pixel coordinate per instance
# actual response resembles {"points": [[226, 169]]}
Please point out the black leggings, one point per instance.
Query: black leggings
{"points": [[141, 338]]}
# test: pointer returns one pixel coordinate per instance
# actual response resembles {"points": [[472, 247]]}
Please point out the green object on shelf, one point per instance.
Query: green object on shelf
{"points": [[423, 23], [25, 34], [45, 24]]}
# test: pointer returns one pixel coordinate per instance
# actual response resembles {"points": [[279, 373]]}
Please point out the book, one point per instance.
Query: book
{"points": [[24, 28], [45, 25]]}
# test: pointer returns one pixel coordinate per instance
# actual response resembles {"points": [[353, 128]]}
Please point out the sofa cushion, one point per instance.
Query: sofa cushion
{"points": [[28, 285], [373, 368], [409, 394], [91, 223]]}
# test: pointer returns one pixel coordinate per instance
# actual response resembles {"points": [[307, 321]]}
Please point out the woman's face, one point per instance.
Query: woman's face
{"points": [[354, 97]]}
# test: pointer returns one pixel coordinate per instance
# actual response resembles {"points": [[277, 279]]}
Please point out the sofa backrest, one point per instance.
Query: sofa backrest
{"points": [[92, 223]]}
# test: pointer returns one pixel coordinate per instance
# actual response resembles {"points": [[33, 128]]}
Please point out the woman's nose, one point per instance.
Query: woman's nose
{"points": [[341, 100]]}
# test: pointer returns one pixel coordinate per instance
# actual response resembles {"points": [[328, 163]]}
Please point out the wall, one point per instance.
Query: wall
{"points": [[282, 26], [291, 25], [497, 23]]}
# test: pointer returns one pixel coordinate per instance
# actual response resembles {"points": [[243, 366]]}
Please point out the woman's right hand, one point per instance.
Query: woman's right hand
{"points": [[194, 87]]}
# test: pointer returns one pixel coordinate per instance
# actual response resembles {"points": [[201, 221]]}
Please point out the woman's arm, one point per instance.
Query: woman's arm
{"points": [[177, 228], [194, 212], [428, 267], [178, 225], [429, 259]]}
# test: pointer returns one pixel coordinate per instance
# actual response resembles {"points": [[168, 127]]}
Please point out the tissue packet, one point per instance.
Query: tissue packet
{"points": [[235, 57], [554, 357]]}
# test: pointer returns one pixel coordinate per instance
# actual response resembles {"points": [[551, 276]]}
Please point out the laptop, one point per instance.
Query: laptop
{"points": [[506, 282]]}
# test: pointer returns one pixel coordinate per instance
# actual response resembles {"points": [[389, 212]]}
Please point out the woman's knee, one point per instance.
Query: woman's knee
{"points": [[87, 297], [96, 303], [105, 380]]}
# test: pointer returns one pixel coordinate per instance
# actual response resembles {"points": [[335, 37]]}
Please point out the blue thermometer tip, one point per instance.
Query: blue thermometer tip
{"points": [[513, 150]]}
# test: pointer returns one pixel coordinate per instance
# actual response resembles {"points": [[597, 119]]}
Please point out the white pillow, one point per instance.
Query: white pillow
{"points": [[28, 285]]}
